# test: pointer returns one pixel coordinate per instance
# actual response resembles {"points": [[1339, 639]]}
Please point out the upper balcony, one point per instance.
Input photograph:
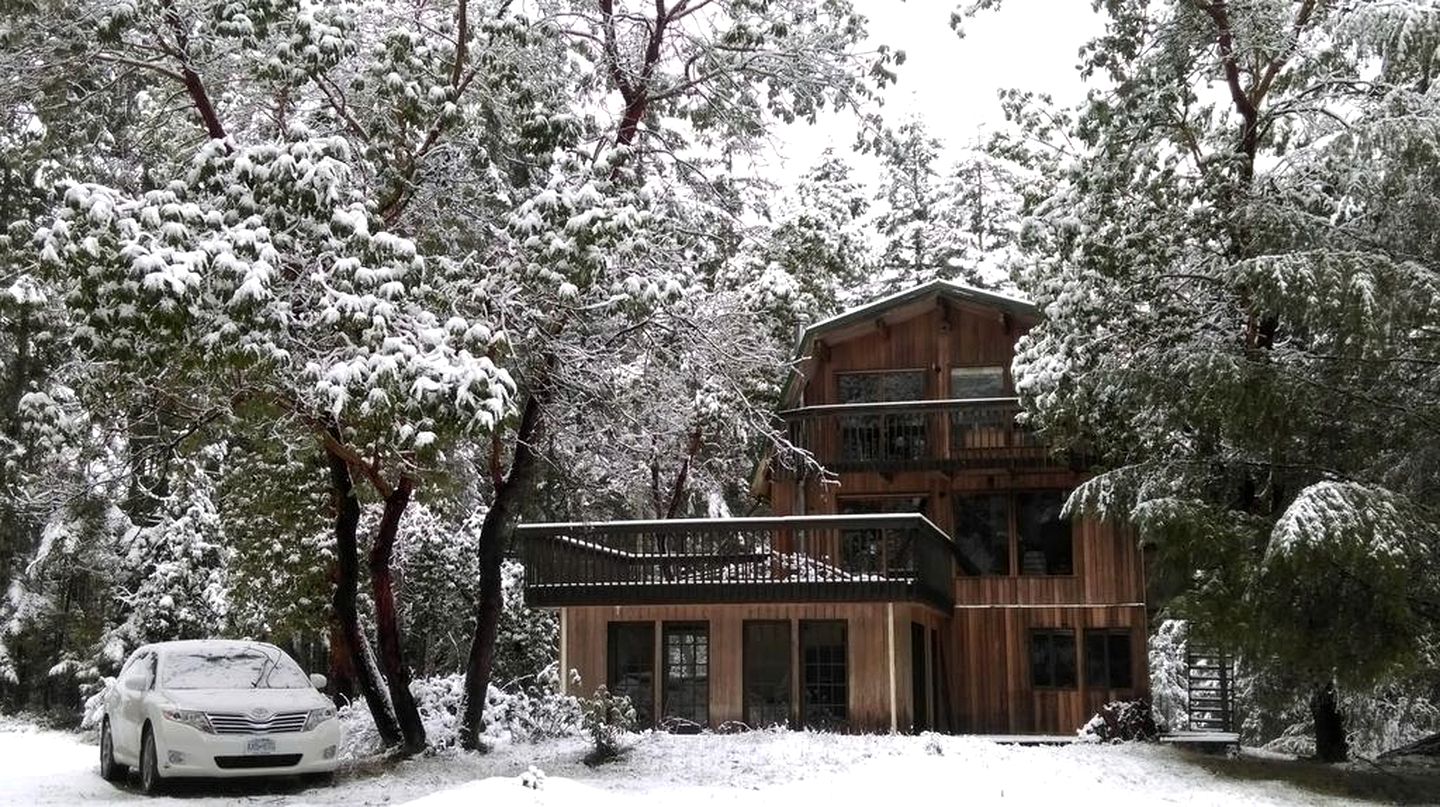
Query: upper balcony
{"points": [[859, 558], [944, 435]]}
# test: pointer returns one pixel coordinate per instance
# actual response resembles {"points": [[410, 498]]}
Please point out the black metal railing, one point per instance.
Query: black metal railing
{"points": [[860, 558], [918, 435]]}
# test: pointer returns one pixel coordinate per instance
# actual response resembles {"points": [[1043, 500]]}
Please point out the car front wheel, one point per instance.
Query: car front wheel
{"points": [[110, 770], [150, 781]]}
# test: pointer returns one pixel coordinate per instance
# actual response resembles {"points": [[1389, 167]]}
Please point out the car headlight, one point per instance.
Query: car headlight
{"points": [[318, 716], [189, 717]]}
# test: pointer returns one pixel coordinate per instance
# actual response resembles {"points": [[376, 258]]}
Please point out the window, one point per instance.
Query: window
{"points": [[631, 666], [767, 673], [877, 551], [1107, 659], [882, 436], [824, 701], [1052, 659], [982, 531], [1045, 542], [977, 382], [878, 387], [687, 676]]}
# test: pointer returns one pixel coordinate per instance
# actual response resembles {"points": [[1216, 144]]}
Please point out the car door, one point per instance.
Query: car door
{"points": [[125, 722]]}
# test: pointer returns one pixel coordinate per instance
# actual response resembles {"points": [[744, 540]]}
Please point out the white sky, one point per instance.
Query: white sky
{"points": [[951, 83]]}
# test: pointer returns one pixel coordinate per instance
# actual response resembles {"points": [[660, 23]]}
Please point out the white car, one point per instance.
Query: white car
{"points": [[216, 709]]}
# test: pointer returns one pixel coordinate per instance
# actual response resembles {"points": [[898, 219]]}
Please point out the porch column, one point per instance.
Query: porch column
{"points": [[890, 642], [564, 655]]}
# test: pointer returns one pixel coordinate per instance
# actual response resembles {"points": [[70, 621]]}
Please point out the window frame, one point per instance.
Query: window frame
{"points": [[685, 627], [746, 674], [647, 718], [922, 372], [1109, 635], [1012, 525], [1052, 634], [1005, 391], [806, 703], [1015, 525], [889, 548]]}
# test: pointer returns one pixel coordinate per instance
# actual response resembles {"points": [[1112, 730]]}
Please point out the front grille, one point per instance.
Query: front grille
{"points": [[282, 723], [258, 761]]}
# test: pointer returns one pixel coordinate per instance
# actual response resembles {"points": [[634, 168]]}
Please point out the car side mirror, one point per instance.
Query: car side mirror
{"points": [[138, 683], [318, 681]]}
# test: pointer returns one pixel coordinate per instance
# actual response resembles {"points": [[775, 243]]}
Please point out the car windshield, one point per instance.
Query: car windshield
{"points": [[232, 668]]}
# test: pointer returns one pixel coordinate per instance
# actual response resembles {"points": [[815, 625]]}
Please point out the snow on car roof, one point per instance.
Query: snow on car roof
{"points": [[206, 645]]}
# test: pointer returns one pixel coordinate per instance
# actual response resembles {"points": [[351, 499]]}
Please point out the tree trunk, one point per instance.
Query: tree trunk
{"points": [[342, 671], [347, 563], [387, 623], [1330, 742], [495, 533]]}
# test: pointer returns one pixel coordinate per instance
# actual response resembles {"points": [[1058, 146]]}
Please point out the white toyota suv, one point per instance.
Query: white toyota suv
{"points": [[216, 709]]}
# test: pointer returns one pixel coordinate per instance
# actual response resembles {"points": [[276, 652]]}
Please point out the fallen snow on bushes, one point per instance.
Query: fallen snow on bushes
{"points": [[760, 768]]}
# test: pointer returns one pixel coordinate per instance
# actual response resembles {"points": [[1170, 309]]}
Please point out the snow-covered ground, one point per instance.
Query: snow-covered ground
{"points": [[761, 768]]}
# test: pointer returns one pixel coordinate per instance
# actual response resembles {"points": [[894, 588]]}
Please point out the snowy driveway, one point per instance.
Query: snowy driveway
{"points": [[750, 770]]}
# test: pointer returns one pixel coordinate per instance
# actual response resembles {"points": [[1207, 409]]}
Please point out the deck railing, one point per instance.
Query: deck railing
{"points": [[860, 558], [917, 435]]}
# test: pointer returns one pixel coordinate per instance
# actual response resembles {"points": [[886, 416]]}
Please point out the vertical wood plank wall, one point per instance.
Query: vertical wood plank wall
{"points": [[985, 644], [869, 658]]}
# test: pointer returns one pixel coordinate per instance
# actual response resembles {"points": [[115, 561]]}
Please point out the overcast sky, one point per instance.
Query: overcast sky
{"points": [[951, 83]]}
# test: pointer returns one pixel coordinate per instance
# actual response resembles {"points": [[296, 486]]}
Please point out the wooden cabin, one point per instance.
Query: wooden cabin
{"points": [[926, 579]]}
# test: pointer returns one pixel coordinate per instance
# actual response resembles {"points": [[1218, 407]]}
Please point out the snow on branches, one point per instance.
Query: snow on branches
{"points": [[263, 265]]}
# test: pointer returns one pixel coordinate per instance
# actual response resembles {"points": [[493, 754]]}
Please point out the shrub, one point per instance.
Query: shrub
{"points": [[1121, 722], [608, 718]]}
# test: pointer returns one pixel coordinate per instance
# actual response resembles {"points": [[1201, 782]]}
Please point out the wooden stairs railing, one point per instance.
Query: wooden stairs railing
{"points": [[1210, 685]]}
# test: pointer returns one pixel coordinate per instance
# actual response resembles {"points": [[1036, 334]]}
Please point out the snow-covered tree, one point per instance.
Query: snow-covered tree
{"points": [[1238, 273], [811, 258]]}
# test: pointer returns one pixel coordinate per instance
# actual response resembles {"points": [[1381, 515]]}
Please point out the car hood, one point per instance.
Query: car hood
{"points": [[242, 701]]}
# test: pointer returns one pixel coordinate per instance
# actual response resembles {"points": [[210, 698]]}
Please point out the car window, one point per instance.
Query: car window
{"points": [[141, 665], [253, 667]]}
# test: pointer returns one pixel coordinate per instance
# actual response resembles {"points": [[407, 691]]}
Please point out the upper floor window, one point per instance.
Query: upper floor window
{"points": [[982, 530], [987, 527], [876, 387], [1046, 545], [977, 382], [882, 436], [877, 551]]}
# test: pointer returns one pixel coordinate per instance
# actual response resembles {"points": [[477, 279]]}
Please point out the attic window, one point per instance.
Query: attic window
{"points": [[877, 387], [977, 382]]}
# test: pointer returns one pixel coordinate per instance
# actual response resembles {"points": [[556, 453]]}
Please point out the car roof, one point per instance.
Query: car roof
{"points": [[203, 646]]}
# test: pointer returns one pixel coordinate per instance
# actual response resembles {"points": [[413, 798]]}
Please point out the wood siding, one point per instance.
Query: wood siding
{"points": [[932, 336], [992, 678], [586, 629]]}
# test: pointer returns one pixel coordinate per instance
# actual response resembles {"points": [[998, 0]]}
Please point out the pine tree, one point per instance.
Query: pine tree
{"points": [[1239, 286]]}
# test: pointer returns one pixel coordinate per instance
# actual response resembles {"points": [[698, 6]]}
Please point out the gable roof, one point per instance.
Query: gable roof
{"points": [[1017, 306]]}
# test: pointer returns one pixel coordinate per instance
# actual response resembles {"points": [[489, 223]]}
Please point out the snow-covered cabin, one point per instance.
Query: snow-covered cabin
{"points": [[924, 580]]}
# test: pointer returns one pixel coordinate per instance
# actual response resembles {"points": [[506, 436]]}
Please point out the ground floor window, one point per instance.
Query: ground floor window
{"points": [[1107, 659], [687, 676], [630, 662], [767, 673], [1052, 659], [824, 658]]}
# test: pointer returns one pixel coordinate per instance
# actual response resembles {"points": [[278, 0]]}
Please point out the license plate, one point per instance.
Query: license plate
{"points": [[260, 745]]}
